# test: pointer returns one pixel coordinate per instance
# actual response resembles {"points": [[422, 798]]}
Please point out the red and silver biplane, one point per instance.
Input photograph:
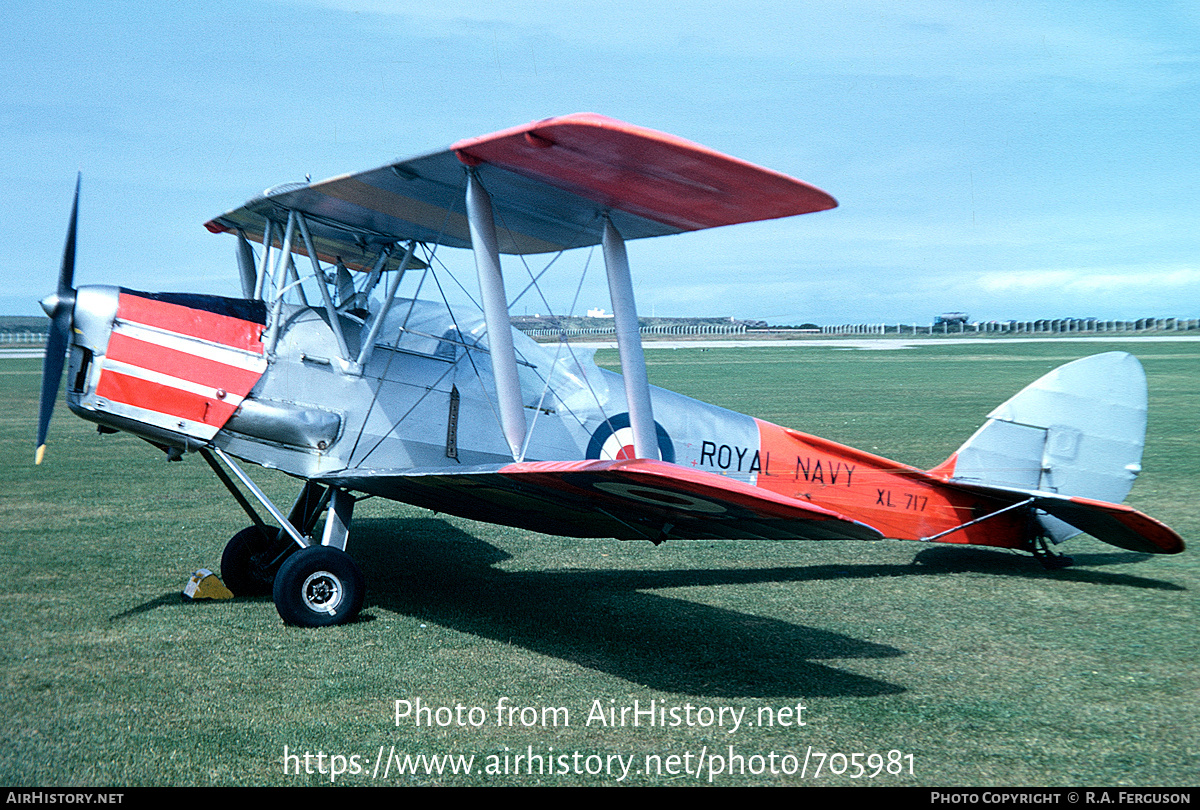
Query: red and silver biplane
{"points": [[321, 370]]}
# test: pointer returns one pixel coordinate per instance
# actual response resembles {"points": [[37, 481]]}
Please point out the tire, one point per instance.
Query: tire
{"points": [[318, 586], [239, 570]]}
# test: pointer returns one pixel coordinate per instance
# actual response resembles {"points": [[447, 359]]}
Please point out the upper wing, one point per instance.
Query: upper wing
{"points": [[629, 499], [551, 182]]}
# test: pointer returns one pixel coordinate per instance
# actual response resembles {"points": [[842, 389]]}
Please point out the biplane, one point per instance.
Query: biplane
{"points": [[322, 370]]}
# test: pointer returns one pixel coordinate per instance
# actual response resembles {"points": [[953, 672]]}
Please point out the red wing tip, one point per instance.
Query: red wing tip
{"points": [[576, 119], [832, 203]]}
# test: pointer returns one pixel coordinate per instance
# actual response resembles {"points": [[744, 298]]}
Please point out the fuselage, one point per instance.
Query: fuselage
{"points": [[185, 371]]}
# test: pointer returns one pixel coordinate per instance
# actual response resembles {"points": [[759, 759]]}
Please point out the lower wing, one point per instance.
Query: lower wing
{"points": [[627, 499]]}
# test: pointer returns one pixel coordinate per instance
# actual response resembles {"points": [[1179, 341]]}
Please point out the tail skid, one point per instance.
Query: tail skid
{"points": [[1071, 443]]}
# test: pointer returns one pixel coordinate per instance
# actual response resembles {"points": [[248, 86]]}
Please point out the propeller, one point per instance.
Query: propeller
{"points": [[59, 305]]}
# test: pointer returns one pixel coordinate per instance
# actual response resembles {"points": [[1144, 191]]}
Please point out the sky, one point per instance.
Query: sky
{"points": [[1014, 161]]}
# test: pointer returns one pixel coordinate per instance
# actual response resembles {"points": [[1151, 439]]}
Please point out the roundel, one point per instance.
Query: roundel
{"points": [[614, 440], [658, 497]]}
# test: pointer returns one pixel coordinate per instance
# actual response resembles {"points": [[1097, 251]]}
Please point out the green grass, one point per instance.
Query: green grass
{"points": [[987, 669]]}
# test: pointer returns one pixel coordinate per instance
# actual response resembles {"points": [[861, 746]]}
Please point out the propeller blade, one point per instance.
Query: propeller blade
{"points": [[59, 307], [66, 274], [52, 369]]}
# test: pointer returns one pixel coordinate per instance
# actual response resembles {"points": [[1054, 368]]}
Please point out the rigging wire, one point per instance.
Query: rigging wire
{"points": [[391, 355], [430, 271], [430, 254]]}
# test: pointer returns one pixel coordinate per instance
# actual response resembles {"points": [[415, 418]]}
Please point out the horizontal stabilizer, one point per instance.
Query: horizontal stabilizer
{"points": [[1113, 523], [628, 499], [552, 183]]}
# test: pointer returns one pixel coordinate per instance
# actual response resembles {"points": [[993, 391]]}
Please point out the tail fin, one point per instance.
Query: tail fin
{"points": [[1075, 435]]}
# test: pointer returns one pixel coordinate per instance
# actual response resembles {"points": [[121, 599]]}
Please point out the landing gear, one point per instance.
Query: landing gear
{"points": [[242, 567], [318, 586], [1050, 559]]}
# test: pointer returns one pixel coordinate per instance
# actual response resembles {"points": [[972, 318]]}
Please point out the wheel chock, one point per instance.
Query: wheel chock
{"points": [[205, 585]]}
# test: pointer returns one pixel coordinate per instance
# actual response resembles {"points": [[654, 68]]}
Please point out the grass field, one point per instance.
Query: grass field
{"points": [[982, 666]]}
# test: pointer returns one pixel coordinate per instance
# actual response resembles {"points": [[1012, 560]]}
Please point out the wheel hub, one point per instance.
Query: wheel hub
{"points": [[322, 592]]}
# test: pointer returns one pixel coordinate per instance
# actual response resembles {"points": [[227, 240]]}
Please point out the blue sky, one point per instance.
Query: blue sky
{"points": [[1014, 160]]}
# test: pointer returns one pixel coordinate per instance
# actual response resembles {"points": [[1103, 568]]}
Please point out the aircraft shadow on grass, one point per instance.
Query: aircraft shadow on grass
{"points": [[957, 559], [605, 620]]}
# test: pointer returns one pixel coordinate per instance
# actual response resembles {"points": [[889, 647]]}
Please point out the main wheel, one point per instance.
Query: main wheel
{"points": [[318, 586], [241, 569]]}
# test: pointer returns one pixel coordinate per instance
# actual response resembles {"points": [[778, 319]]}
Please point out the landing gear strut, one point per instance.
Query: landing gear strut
{"points": [[253, 555], [312, 585], [321, 585]]}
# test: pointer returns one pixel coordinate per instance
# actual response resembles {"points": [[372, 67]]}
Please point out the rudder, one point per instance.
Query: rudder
{"points": [[1078, 431]]}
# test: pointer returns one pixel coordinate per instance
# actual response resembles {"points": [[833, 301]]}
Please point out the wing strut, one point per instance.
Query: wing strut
{"points": [[629, 344], [265, 269], [285, 256], [486, 248], [246, 265], [368, 343], [334, 322]]}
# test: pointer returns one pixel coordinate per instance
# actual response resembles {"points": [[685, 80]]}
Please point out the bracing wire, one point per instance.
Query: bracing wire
{"points": [[430, 254]]}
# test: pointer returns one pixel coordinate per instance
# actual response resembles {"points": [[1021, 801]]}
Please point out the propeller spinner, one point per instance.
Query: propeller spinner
{"points": [[59, 306]]}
